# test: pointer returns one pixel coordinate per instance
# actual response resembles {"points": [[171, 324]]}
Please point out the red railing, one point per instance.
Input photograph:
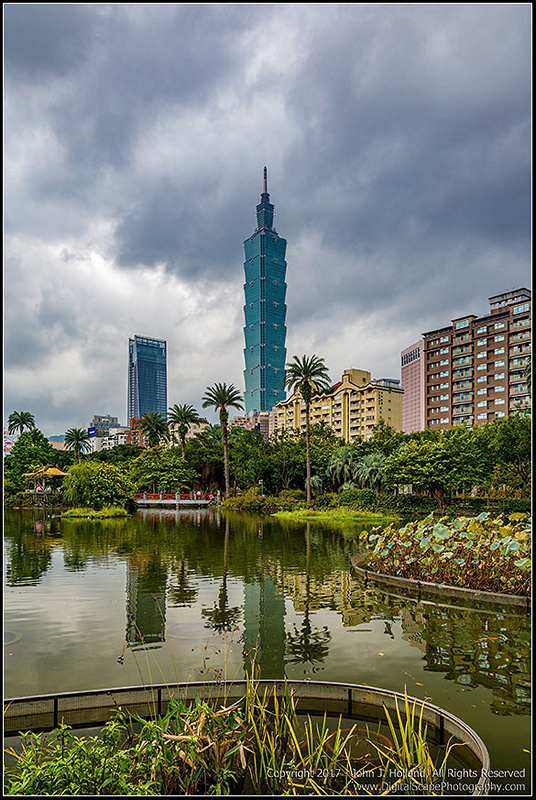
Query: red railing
{"points": [[171, 496]]}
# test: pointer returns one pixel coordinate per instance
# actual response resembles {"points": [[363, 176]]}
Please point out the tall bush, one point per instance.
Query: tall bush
{"points": [[96, 484]]}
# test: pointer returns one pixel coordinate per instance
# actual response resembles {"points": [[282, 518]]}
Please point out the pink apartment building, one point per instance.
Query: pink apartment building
{"points": [[412, 375]]}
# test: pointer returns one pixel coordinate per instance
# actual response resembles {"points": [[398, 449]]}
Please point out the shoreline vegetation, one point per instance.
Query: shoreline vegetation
{"points": [[258, 745]]}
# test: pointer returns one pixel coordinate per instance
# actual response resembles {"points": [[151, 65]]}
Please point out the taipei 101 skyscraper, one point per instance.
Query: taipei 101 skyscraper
{"points": [[265, 311]]}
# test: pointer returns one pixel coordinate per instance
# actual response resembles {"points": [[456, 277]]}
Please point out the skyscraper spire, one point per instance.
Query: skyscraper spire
{"points": [[265, 209]]}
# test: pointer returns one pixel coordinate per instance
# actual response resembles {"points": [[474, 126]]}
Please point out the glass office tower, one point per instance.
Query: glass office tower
{"points": [[264, 311], [147, 377]]}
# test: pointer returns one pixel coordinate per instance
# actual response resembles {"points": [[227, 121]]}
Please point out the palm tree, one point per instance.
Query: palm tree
{"points": [[183, 416], [221, 397], [309, 376], [154, 426], [77, 440], [369, 471], [342, 464], [19, 420]]}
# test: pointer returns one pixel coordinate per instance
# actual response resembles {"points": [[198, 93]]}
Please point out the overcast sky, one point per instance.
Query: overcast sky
{"points": [[398, 145]]}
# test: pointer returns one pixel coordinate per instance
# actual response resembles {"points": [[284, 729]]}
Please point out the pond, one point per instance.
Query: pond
{"points": [[186, 596]]}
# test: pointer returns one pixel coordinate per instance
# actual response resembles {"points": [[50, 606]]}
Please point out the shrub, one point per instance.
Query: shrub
{"points": [[292, 494], [328, 500], [358, 498]]}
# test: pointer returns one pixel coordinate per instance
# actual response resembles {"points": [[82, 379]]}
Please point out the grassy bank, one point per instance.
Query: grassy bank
{"points": [[336, 515], [108, 512]]}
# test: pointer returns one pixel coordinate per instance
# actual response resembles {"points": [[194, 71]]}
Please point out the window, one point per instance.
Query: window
{"points": [[481, 367], [464, 323], [444, 408], [482, 379], [444, 397], [499, 338], [481, 355], [444, 350], [482, 330], [499, 376], [444, 339], [499, 350], [499, 388], [444, 419], [499, 363], [482, 391], [481, 342], [481, 416], [446, 361], [520, 309], [499, 414], [499, 401], [443, 386], [482, 404], [498, 326], [443, 374]]}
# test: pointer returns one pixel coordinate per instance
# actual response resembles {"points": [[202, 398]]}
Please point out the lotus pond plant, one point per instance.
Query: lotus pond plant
{"points": [[488, 552]]}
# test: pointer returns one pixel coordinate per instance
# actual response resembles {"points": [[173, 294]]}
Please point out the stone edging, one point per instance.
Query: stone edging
{"points": [[440, 588]]}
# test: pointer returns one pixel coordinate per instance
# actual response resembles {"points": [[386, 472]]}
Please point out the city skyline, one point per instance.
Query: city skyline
{"points": [[399, 139]]}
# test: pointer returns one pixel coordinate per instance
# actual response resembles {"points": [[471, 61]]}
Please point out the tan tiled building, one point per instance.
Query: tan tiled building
{"points": [[352, 408], [473, 370]]}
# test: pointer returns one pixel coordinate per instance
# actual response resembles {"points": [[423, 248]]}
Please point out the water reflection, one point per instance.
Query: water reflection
{"points": [[267, 584]]}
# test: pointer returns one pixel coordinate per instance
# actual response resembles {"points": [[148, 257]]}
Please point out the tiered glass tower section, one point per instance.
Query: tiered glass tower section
{"points": [[265, 311]]}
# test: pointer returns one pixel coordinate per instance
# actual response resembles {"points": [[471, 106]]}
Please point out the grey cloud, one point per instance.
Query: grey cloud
{"points": [[43, 40]]}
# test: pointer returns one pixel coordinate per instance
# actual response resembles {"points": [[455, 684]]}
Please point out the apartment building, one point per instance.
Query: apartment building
{"points": [[473, 370], [264, 422], [351, 409]]}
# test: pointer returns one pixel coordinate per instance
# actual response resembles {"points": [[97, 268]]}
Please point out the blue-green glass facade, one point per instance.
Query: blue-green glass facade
{"points": [[265, 311], [147, 377]]}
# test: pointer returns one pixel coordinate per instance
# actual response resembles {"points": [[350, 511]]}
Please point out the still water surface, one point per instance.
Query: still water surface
{"points": [[197, 594]]}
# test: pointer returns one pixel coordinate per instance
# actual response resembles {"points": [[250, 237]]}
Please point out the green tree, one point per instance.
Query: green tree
{"points": [[287, 460], [161, 469], [120, 454], [512, 444], [221, 397], [385, 438], [204, 454], [19, 420], [249, 458], [154, 426], [308, 376], [31, 451], [438, 467], [183, 416], [92, 484], [77, 440]]}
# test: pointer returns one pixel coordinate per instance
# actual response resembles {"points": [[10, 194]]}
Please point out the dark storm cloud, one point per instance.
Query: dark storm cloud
{"points": [[398, 143]]}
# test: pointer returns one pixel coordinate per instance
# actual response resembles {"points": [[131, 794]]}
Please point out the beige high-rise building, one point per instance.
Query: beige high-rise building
{"points": [[352, 408]]}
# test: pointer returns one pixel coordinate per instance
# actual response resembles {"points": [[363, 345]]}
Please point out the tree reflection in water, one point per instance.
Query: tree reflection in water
{"points": [[305, 645], [221, 617]]}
